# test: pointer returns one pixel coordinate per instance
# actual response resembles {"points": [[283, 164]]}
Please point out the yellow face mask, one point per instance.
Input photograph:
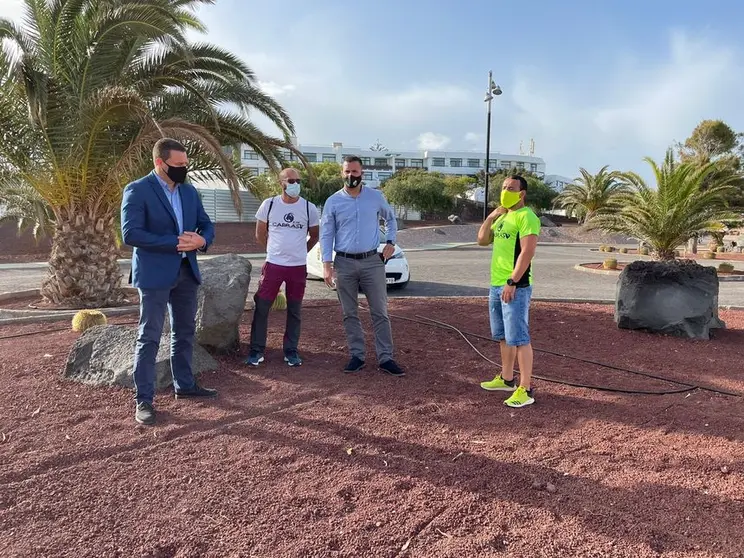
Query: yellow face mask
{"points": [[509, 198]]}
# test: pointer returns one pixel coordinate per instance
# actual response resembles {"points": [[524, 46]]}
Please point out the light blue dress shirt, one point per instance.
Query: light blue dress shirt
{"points": [[174, 198], [351, 224]]}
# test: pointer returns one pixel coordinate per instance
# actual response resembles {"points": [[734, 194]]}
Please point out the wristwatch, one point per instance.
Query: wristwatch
{"points": [[390, 242], [510, 282]]}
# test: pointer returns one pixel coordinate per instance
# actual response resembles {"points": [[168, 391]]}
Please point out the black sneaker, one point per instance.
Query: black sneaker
{"points": [[355, 365], [196, 391], [391, 367], [145, 413]]}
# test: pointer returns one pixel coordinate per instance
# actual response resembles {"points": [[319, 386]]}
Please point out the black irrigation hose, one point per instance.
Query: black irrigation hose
{"points": [[686, 387], [423, 320]]}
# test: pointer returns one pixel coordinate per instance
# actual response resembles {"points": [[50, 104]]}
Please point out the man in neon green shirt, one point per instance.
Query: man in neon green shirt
{"points": [[513, 229]]}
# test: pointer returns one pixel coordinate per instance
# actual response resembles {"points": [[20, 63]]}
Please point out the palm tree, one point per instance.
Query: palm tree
{"points": [[590, 193], [676, 210], [86, 88]]}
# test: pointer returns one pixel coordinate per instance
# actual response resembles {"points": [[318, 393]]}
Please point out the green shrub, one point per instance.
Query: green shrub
{"points": [[86, 319], [602, 247], [610, 248], [643, 251], [610, 263], [623, 250], [720, 249], [709, 255], [725, 267]]}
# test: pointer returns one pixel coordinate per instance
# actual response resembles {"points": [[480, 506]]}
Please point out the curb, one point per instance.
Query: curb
{"points": [[580, 267], [724, 279]]}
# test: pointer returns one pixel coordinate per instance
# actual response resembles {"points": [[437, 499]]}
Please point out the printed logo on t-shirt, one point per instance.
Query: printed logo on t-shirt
{"points": [[289, 222], [499, 234]]}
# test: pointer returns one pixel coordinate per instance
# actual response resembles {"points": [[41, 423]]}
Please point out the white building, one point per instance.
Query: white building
{"points": [[380, 165], [558, 182]]}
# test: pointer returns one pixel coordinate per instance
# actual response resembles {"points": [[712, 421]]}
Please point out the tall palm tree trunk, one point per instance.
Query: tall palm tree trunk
{"points": [[83, 268]]}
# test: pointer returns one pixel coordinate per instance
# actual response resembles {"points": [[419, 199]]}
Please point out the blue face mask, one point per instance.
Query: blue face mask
{"points": [[293, 190]]}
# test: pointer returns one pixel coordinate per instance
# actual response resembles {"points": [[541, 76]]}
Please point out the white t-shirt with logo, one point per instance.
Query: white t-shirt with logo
{"points": [[288, 229]]}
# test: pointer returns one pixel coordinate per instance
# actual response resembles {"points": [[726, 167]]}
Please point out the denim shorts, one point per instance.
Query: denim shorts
{"points": [[510, 322]]}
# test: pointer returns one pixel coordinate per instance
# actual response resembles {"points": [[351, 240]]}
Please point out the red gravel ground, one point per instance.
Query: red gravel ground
{"points": [[311, 462]]}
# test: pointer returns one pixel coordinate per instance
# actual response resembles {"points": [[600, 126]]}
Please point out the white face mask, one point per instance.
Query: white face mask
{"points": [[293, 190]]}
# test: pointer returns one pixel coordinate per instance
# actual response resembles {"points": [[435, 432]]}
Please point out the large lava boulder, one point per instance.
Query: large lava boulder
{"points": [[222, 296], [675, 298], [104, 356]]}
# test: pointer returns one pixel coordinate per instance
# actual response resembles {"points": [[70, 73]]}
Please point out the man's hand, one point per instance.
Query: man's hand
{"points": [[388, 252], [496, 213], [328, 275], [190, 241], [507, 293]]}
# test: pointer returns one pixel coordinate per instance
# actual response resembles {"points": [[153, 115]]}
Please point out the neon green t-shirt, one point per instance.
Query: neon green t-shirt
{"points": [[508, 229]]}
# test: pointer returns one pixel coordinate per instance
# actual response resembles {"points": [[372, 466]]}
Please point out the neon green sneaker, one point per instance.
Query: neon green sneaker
{"points": [[520, 398], [499, 384]]}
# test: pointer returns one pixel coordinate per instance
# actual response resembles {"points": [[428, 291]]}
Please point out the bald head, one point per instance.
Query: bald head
{"points": [[288, 173], [290, 180]]}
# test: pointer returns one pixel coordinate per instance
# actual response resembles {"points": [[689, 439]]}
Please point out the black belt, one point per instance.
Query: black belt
{"points": [[357, 256]]}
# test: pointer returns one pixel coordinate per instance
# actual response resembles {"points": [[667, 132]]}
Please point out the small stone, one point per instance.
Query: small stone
{"points": [[551, 488], [725, 470]]}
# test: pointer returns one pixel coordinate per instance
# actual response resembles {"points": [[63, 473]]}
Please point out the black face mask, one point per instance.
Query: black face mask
{"points": [[177, 174], [352, 181]]}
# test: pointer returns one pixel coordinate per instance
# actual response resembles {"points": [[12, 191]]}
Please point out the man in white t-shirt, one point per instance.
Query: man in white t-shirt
{"points": [[288, 227]]}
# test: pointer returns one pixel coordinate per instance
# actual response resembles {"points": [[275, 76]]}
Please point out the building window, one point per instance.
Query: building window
{"points": [[366, 161], [400, 162], [383, 176], [311, 157], [506, 164], [437, 162], [417, 163], [533, 167], [252, 171], [379, 162], [520, 165], [329, 157], [455, 162], [250, 154], [493, 165], [474, 163]]}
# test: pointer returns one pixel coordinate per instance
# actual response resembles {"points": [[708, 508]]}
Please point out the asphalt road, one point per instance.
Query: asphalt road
{"points": [[455, 272]]}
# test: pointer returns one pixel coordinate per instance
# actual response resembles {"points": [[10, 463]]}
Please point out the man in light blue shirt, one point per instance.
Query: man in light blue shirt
{"points": [[350, 224]]}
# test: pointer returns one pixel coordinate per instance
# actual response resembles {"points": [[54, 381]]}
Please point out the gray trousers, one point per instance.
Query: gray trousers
{"points": [[369, 275]]}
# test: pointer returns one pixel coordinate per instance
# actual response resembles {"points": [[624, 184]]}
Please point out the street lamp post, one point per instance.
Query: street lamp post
{"points": [[492, 90]]}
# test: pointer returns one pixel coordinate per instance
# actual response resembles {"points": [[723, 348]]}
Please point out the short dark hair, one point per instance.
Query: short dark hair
{"points": [[164, 146], [353, 159], [522, 181]]}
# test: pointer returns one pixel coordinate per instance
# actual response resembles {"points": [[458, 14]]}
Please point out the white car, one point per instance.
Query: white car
{"points": [[397, 273]]}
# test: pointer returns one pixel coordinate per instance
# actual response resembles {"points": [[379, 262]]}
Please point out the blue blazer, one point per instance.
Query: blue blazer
{"points": [[149, 226]]}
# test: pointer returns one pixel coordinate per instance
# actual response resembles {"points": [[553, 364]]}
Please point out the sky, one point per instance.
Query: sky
{"points": [[593, 82]]}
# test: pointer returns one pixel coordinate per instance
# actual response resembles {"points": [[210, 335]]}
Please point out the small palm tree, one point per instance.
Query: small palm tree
{"points": [[86, 88], [590, 193], [676, 210]]}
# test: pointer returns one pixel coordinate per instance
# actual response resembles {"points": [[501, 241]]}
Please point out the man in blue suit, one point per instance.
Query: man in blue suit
{"points": [[163, 219]]}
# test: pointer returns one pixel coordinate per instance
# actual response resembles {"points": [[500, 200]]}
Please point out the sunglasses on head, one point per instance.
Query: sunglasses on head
{"points": [[293, 180]]}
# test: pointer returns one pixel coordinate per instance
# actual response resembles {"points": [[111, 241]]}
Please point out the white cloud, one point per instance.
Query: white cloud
{"points": [[611, 113], [430, 140], [274, 89], [638, 108], [12, 9], [474, 140]]}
